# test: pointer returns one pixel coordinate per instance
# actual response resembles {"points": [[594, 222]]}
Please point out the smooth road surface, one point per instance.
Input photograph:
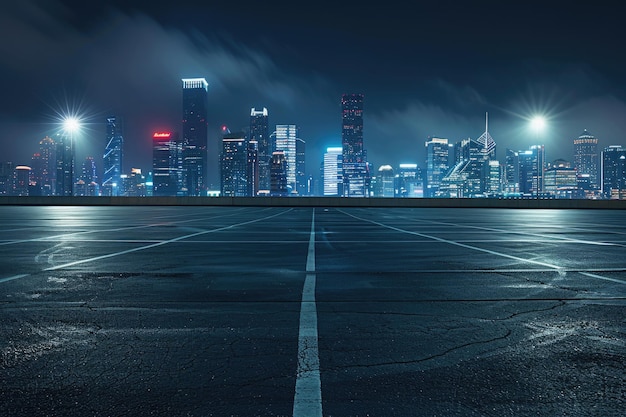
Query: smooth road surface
{"points": [[241, 311]]}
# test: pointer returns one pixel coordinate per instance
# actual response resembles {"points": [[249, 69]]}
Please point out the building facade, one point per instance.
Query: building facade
{"points": [[587, 158], [195, 136], [354, 160], [113, 157], [259, 132]]}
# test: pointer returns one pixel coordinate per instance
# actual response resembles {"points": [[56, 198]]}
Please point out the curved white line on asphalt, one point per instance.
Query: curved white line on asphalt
{"points": [[165, 242], [308, 397]]}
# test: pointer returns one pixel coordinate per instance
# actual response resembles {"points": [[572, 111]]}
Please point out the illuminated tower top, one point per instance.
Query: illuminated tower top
{"points": [[195, 83]]}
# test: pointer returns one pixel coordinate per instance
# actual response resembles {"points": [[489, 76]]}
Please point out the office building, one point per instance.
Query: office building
{"points": [[614, 173], [259, 132], [409, 181], [278, 174], [234, 168], [43, 174], [560, 180], [531, 169], [6, 178], [385, 180], [21, 182], [113, 157], [354, 162], [302, 186], [195, 136], [166, 155], [436, 164], [332, 172], [285, 138], [587, 158], [65, 164]]}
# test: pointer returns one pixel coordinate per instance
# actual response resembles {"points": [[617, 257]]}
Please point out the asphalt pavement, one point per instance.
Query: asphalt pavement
{"points": [[278, 311]]}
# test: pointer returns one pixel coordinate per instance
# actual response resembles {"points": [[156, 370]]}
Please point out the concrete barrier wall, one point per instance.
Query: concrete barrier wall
{"points": [[315, 202]]}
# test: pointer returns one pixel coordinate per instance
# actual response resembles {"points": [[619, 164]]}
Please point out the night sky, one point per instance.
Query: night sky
{"points": [[425, 68]]}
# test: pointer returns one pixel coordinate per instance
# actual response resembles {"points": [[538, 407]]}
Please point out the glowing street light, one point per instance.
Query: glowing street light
{"points": [[538, 124], [71, 124]]}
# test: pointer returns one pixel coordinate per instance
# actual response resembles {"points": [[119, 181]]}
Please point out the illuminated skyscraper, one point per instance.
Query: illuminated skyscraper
{"points": [[22, 181], [587, 158], [355, 173], [614, 173], [113, 157], [194, 140], [278, 172], [234, 166], [64, 164], [285, 138], [259, 132], [333, 172], [436, 164], [384, 182], [409, 181], [43, 166], [302, 186], [531, 170], [165, 164]]}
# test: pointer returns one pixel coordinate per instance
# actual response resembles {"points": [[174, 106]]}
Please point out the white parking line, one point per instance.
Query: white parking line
{"points": [[165, 242], [587, 274], [452, 242], [308, 397], [13, 277]]}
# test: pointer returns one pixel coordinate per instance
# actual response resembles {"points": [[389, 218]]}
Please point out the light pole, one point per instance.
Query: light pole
{"points": [[538, 125]]}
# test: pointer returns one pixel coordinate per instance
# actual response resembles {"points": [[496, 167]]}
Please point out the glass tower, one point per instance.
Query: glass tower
{"points": [[586, 158], [194, 140], [259, 132], [112, 160], [285, 139], [355, 173], [436, 164]]}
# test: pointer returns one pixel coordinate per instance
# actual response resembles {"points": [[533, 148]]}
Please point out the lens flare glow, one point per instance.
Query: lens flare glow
{"points": [[538, 123], [71, 124]]}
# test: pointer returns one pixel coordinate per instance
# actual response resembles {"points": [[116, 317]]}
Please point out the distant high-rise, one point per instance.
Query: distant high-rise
{"points": [[65, 164], [22, 181], [355, 173], [278, 172], [614, 173], [531, 170], [6, 178], [385, 182], [285, 138], [44, 167], [89, 178], [234, 166], [332, 172], [511, 172], [113, 157], [436, 164], [259, 132], [165, 164], [302, 185], [194, 140], [409, 181], [587, 158]]}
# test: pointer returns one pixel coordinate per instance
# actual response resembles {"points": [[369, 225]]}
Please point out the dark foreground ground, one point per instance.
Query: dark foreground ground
{"points": [[196, 311]]}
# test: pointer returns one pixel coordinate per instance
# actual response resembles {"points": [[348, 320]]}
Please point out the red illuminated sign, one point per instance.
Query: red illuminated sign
{"points": [[161, 135]]}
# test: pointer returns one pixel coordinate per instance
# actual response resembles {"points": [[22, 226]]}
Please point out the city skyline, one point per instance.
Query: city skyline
{"points": [[418, 82]]}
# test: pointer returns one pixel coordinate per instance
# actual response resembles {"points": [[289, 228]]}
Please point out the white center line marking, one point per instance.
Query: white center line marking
{"points": [[308, 397]]}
